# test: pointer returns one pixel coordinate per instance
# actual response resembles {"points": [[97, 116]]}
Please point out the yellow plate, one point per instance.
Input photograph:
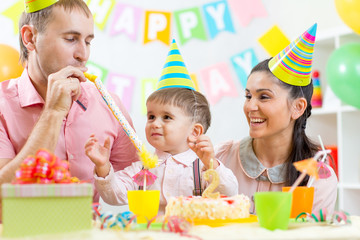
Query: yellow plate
{"points": [[223, 222]]}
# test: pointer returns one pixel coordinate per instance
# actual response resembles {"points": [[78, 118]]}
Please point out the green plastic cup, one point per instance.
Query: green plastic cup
{"points": [[273, 209]]}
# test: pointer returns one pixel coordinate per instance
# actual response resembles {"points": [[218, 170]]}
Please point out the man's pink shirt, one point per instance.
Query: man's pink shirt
{"points": [[21, 106]]}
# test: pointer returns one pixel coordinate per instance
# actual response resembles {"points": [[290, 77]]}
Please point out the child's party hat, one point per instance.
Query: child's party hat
{"points": [[174, 73], [293, 64], [36, 5]]}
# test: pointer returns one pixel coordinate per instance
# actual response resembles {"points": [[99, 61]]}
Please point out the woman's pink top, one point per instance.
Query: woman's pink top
{"points": [[253, 176]]}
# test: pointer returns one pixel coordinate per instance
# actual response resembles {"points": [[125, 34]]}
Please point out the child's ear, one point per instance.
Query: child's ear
{"points": [[197, 130], [299, 107]]}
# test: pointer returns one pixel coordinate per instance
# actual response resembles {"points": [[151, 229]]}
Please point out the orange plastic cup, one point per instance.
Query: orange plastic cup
{"points": [[302, 200], [144, 204]]}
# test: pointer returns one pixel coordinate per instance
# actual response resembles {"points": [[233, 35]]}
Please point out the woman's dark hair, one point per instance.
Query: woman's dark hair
{"points": [[303, 147]]}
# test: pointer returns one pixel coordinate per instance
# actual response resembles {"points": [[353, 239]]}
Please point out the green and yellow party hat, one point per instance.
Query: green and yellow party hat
{"points": [[174, 73], [36, 5]]}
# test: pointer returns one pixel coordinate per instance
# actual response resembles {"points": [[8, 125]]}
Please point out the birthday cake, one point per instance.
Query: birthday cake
{"points": [[196, 207]]}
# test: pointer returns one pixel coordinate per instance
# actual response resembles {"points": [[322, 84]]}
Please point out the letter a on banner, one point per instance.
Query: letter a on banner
{"points": [[126, 20], [189, 24], [218, 83], [157, 27], [101, 10]]}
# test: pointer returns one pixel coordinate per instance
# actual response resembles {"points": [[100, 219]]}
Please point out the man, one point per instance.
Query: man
{"points": [[51, 105]]}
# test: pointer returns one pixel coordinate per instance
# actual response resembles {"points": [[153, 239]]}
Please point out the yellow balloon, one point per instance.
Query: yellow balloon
{"points": [[349, 12], [10, 67]]}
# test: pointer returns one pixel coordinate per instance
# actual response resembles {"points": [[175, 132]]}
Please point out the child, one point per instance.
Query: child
{"points": [[177, 118]]}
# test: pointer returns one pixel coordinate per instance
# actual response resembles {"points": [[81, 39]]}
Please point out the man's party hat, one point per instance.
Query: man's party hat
{"points": [[36, 5], [174, 73], [293, 64]]}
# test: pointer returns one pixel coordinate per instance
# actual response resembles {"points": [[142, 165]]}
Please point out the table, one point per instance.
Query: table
{"points": [[235, 231]]}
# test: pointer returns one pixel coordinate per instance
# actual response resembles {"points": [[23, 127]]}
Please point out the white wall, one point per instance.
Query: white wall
{"points": [[120, 54]]}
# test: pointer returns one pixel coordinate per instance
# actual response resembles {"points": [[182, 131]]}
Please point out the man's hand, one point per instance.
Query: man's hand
{"points": [[63, 88]]}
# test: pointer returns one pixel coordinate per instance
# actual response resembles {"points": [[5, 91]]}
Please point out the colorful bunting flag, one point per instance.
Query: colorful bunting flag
{"points": [[246, 10], [274, 40], [148, 86], [14, 13], [218, 18], [218, 83], [123, 86], [101, 10], [189, 24], [126, 20], [97, 70], [157, 27], [243, 63]]}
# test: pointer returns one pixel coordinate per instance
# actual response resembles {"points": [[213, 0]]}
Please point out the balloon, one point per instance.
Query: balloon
{"points": [[349, 12], [343, 73], [10, 66]]}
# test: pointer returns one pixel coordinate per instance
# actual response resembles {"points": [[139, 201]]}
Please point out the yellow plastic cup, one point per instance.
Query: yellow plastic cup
{"points": [[273, 209], [144, 204], [302, 200]]}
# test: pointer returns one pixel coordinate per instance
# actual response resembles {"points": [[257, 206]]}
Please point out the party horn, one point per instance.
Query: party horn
{"points": [[115, 110]]}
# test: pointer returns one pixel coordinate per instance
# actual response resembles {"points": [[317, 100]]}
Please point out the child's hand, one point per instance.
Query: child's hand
{"points": [[204, 149], [99, 155]]}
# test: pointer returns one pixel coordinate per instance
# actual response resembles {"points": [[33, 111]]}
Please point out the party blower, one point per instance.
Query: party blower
{"points": [[144, 177]]}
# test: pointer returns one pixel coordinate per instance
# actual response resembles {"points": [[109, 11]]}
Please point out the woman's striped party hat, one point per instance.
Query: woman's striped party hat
{"points": [[293, 64], [37, 5], [174, 73]]}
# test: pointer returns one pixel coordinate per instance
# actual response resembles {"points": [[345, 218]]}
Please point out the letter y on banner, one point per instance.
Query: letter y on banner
{"points": [[243, 63], [218, 18]]}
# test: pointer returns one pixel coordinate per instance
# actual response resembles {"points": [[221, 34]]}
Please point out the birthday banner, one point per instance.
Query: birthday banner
{"points": [[199, 22], [204, 23]]}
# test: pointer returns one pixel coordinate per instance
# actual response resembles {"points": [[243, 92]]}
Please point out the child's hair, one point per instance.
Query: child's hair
{"points": [[303, 147], [192, 102], [41, 18]]}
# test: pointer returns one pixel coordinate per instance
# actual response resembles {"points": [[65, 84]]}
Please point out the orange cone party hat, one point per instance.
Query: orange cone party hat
{"points": [[174, 73], [36, 5], [293, 64]]}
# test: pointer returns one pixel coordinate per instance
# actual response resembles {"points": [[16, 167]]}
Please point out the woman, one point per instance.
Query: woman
{"points": [[277, 106]]}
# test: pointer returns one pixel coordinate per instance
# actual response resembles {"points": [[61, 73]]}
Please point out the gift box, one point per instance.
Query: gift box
{"points": [[33, 209]]}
